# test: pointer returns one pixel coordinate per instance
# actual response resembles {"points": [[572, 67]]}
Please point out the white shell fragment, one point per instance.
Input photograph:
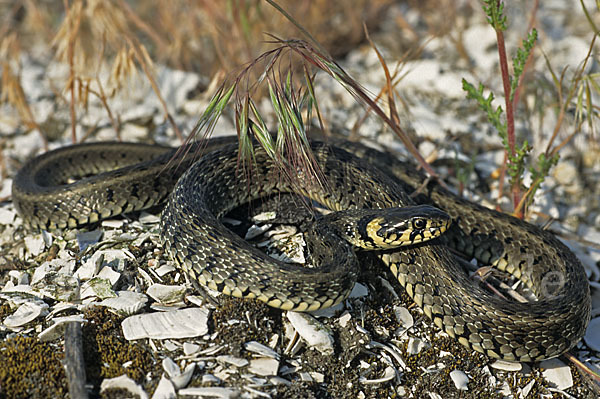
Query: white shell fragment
{"points": [[256, 230], [97, 287], [7, 216], [179, 378], [388, 375], [344, 319], [261, 349], [57, 329], [183, 323], [592, 334], [264, 216], [190, 349], [460, 379], [166, 294], [35, 244], [415, 346], [557, 373], [404, 319], [507, 366], [126, 302], [315, 333], [358, 291], [264, 366], [233, 360], [165, 389], [210, 392], [123, 382], [88, 238], [26, 313], [524, 392]]}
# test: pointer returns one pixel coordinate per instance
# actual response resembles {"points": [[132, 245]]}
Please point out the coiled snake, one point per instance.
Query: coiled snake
{"points": [[214, 256]]}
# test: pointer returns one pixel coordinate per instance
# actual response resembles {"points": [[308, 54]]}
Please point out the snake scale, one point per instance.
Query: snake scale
{"points": [[356, 177]]}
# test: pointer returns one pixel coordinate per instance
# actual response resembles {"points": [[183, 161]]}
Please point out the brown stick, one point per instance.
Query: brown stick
{"points": [[73, 362]]}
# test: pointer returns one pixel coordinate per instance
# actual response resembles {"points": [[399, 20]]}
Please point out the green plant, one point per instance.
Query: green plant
{"points": [[578, 94]]}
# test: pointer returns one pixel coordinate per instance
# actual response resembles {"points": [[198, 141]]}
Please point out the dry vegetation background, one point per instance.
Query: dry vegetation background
{"points": [[127, 38]]}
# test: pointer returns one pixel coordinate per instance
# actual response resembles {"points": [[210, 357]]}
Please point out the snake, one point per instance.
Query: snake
{"points": [[377, 202]]}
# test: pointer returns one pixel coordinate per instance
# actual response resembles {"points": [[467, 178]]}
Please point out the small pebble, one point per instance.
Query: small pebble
{"points": [[460, 379]]}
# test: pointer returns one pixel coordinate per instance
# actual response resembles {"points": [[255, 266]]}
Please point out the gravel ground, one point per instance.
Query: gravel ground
{"points": [[137, 307]]}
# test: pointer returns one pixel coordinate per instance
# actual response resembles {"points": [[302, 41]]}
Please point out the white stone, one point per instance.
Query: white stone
{"points": [[109, 274], [264, 216], [565, 173], [183, 323], [148, 218], [264, 366], [165, 269], [524, 392], [315, 333], [557, 373], [179, 378], [460, 379]]}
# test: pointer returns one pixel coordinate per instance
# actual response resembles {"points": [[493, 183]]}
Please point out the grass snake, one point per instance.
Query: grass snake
{"points": [[115, 178]]}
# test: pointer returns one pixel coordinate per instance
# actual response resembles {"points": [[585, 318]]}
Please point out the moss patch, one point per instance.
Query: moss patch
{"points": [[31, 369], [105, 349]]}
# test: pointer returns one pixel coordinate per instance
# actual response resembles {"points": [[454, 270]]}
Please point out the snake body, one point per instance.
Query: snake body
{"points": [[356, 177]]}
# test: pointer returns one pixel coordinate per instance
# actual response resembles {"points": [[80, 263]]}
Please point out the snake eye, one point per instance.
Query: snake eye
{"points": [[419, 224]]}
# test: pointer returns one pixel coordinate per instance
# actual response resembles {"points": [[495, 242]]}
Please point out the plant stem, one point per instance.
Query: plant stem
{"points": [[510, 120]]}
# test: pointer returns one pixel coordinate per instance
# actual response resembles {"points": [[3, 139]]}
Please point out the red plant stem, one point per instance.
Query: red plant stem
{"points": [[510, 120]]}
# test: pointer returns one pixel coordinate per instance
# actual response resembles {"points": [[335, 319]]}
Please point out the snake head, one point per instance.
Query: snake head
{"points": [[395, 227]]}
